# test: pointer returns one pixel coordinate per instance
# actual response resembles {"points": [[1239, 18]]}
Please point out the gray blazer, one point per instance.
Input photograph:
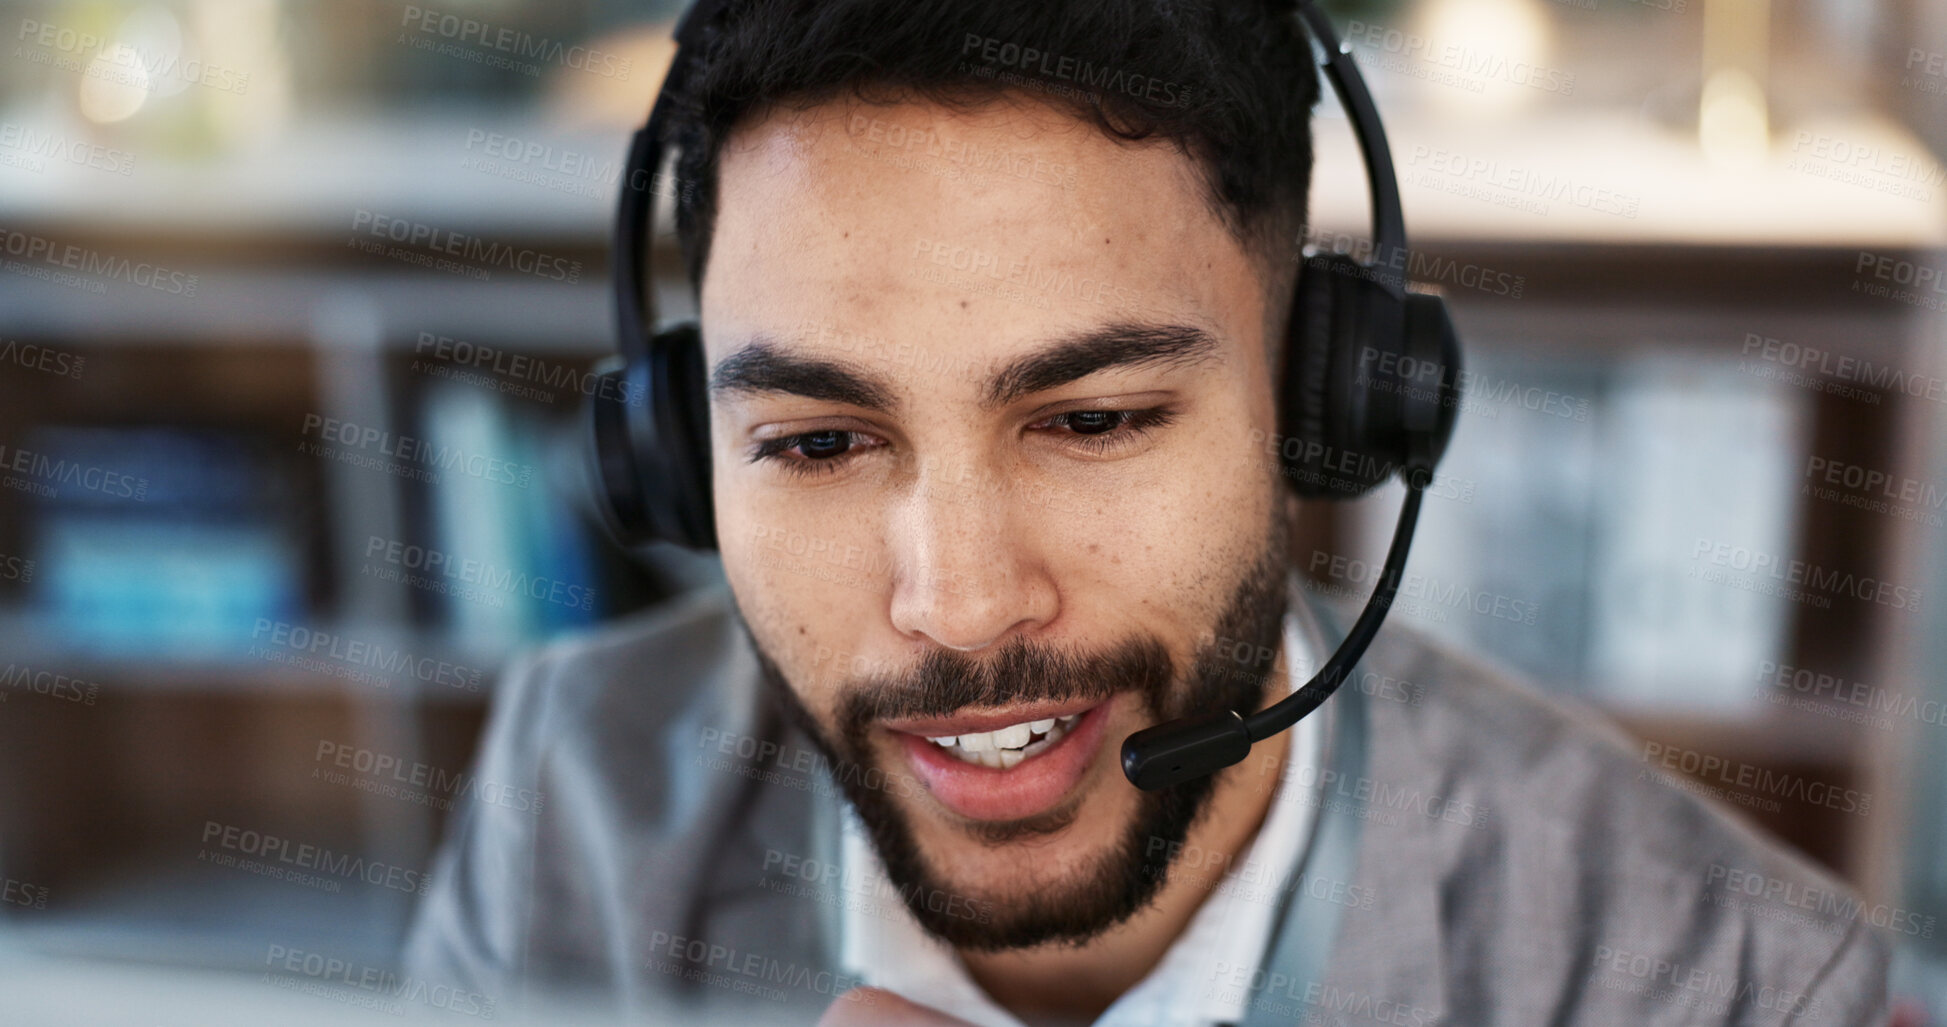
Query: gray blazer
{"points": [[1486, 855]]}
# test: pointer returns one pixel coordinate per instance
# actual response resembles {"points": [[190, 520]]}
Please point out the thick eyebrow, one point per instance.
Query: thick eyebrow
{"points": [[1116, 345], [762, 367]]}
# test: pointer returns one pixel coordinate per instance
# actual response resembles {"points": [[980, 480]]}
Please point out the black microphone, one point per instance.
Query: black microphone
{"points": [[1182, 750]]}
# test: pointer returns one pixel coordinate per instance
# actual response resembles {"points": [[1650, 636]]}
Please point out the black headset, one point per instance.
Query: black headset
{"points": [[1369, 391]]}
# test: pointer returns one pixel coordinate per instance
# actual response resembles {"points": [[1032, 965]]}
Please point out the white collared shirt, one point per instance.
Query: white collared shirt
{"points": [[884, 946]]}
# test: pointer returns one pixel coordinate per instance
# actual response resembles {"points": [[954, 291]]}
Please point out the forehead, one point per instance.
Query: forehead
{"points": [[970, 233]]}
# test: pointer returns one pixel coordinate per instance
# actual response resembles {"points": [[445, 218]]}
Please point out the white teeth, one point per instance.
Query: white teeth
{"points": [[1013, 736], [1005, 747]]}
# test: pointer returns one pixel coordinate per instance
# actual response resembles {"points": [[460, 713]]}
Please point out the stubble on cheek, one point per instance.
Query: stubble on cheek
{"points": [[779, 605]]}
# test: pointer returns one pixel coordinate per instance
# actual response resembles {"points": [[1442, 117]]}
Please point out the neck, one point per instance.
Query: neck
{"points": [[1059, 984]]}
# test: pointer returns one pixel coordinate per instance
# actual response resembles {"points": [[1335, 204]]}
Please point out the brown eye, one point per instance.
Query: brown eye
{"points": [[814, 452], [1104, 431], [823, 445], [1095, 422]]}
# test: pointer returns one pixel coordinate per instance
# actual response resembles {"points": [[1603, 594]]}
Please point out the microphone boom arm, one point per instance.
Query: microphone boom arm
{"points": [[1176, 751]]}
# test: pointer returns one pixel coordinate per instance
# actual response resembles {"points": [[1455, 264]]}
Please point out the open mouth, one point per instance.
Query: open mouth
{"points": [[1010, 745], [1006, 765]]}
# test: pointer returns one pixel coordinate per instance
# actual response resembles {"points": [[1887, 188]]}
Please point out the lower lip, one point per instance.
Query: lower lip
{"points": [[1032, 786]]}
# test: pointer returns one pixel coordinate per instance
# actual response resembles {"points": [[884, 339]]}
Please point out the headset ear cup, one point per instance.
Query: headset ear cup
{"points": [[616, 483], [1343, 416], [678, 493], [649, 432], [1308, 366], [1431, 400]]}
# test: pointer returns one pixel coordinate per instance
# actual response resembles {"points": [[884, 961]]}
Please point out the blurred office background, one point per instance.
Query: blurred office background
{"points": [[283, 493]]}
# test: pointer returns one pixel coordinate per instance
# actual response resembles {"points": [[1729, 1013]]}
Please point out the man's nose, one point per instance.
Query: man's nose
{"points": [[968, 571]]}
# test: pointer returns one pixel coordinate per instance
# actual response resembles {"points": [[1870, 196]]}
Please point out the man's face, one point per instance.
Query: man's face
{"points": [[983, 386]]}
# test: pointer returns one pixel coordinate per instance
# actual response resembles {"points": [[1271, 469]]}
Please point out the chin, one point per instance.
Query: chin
{"points": [[1061, 875], [1011, 862]]}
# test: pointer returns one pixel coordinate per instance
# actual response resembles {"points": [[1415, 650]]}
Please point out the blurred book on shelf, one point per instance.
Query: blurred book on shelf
{"points": [[1583, 492], [157, 541], [520, 566]]}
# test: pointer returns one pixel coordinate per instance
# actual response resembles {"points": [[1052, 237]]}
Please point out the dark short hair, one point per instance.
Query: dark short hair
{"points": [[1231, 82]]}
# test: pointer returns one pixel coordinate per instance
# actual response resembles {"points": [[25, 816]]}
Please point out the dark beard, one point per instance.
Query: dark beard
{"points": [[1126, 877]]}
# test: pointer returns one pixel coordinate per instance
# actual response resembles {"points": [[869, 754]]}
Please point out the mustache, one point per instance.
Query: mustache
{"points": [[945, 682]]}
